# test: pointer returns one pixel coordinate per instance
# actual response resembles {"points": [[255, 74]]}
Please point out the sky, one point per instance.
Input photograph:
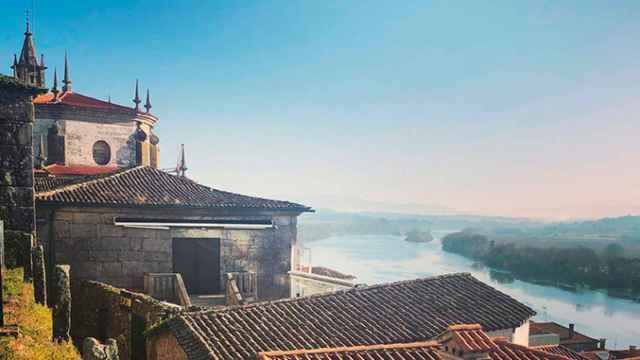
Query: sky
{"points": [[510, 108]]}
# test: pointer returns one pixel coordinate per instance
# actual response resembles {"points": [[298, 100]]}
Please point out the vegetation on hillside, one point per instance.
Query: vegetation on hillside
{"points": [[578, 265], [35, 323]]}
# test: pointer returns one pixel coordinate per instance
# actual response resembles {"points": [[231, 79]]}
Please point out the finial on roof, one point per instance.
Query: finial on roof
{"points": [[147, 104], [109, 98], [136, 99], [54, 89], [42, 60], [67, 81], [15, 65], [28, 31], [181, 168]]}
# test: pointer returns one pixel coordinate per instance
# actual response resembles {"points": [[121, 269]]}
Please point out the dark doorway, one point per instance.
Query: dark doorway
{"points": [[198, 261]]}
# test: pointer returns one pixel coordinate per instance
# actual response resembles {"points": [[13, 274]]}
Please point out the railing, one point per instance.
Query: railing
{"points": [[167, 287], [243, 286]]}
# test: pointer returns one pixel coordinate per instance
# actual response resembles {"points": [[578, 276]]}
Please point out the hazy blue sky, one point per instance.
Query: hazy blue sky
{"points": [[497, 107]]}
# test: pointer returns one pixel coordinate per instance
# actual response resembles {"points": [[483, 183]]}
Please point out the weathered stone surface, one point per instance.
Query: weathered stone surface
{"points": [[92, 349], [103, 311], [16, 171], [62, 305], [39, 275]]}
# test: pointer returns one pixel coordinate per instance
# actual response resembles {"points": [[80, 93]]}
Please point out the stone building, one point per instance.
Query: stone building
{"points": [[105, 208], [74, 129], [116, 227]]}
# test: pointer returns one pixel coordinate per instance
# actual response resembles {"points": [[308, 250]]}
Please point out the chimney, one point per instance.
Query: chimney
{"points": [[602, 344], [572, 330], [632, 347]]}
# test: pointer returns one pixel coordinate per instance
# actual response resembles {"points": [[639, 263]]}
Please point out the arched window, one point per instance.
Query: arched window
{"points": [[101, 153]]}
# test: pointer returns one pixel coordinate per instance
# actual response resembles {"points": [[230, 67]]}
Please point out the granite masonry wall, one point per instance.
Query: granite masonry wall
{"points": [[70, 133], [102, 311], [96, 249], [16, 170]]}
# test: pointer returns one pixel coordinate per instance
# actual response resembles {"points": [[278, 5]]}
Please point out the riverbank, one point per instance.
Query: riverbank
{"points": [[575, 267]]}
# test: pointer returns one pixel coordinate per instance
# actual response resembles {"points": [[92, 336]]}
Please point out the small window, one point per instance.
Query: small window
{"points": [[101, 153]]}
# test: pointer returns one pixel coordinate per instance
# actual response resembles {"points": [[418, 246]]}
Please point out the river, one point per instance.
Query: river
{"points": [[379, 258]]}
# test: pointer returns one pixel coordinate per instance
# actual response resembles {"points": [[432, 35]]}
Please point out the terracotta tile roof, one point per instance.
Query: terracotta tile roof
{"points": [[147, 186], [79, 100], [561, 350], [593, 355], [400, 312], [469, 338], [435, 350], [509, 351], [324, 271], [562, 331], [427, 350], [624, 354]]}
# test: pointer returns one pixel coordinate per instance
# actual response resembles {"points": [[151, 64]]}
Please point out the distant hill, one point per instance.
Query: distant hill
{"points": [[325, 223]]}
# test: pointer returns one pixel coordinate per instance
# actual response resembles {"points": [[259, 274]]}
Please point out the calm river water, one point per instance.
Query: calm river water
{"points": [[376, 259]]}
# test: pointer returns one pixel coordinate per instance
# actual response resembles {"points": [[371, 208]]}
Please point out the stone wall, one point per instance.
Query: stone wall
{"points": [[102, 311], [16, 169], [303, 284], [96, 249], [71, 132], [164, 346]]}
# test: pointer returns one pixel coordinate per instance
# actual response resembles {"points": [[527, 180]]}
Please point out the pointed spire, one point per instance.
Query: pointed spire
{"points": [[15, 66], [42, 60], [136, 99], [54, 90], [147, 104], [181, 168], [67, 80]]}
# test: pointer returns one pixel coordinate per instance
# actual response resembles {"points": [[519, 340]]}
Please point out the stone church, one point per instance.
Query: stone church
{"points": [[104, 207]]}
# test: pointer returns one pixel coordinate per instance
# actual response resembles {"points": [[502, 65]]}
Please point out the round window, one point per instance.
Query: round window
{"points": [[101, 153]]}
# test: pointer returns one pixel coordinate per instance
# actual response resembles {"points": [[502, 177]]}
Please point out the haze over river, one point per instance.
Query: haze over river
{"points": [[376, 259]]}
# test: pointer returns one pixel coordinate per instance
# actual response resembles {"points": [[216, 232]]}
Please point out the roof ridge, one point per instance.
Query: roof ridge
{"points": [[81, 184], [330, 293], [546, 354], [417, 344]]}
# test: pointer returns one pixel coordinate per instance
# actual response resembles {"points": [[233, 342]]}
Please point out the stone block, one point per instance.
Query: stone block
{"points": [[92, 349], [19, 112], [111, 269], [85, 218], [84, 230], [62, 303], [157, 245], [18, 218], [16, 177], [39, 275], [137, 243], [16, 196], [110, 231]]}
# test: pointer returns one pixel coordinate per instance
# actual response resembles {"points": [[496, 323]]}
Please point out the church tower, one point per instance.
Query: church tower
{"points": [[27, 68]]}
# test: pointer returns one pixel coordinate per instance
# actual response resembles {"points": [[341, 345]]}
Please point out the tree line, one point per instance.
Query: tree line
{"points": [[577, 265]]}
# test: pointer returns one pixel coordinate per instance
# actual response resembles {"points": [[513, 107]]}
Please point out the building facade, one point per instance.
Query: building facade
{"points": [[74, 129]]}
